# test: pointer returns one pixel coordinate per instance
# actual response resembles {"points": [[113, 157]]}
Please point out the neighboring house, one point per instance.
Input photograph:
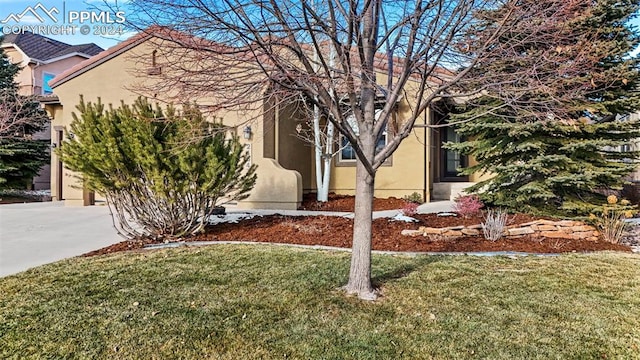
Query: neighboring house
{"points": [[41, 59], [285, 163]]}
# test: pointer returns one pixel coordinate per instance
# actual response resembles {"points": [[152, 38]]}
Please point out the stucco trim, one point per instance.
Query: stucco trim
{"points": [[66, 57], [99, 59], [25, 58]]}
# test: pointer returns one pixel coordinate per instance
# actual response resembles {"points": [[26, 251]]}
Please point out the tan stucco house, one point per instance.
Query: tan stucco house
{"points": [[285, 163], [41, 59]]}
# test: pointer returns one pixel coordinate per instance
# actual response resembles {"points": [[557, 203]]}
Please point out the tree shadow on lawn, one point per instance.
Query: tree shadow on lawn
{"points": [[401, 270]]}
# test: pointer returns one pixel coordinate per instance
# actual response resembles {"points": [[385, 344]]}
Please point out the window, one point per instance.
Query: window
{"points": [[348, 154], [46, 89], [154, 69]]}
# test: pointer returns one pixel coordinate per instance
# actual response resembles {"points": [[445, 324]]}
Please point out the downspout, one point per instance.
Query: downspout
{"points": [[33, 78], [427, 160]]}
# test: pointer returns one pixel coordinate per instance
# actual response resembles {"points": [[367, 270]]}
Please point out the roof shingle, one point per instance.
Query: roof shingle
{"points": [[42, 48]]}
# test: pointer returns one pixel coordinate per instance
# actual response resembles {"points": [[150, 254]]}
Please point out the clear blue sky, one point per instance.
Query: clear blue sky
{"points": [[66, 7]]}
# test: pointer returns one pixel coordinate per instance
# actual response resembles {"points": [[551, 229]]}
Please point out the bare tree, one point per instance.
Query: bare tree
{"points": [[233, 52], [20, 115]]}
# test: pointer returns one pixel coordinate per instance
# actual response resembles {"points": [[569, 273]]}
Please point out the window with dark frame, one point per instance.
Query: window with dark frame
{"points": [[347, 153]]}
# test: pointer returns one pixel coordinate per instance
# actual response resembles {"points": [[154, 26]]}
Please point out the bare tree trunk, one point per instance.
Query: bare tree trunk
{"points": [[360, 272], [323, 192], [321, 185]]}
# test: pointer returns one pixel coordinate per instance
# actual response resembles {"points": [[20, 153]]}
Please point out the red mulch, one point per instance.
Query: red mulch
{"points": [[346, 203], [337, 232]]}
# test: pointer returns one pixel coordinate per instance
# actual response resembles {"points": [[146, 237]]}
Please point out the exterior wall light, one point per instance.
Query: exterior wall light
{"points": [[247, 133]]}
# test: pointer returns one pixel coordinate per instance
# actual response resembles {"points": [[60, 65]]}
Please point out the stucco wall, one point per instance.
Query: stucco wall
{"points": [[405, 173], [54, 68], [115, 80], [293, 152]]}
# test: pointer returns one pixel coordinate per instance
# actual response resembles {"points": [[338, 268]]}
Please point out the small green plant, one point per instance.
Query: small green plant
{"points": [[467, 205], [494, 225], [415, 197], [611, 221]]}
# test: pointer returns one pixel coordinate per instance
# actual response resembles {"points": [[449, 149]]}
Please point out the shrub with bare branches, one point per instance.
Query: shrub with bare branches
{"points": [[157, 180], [494, 225]]}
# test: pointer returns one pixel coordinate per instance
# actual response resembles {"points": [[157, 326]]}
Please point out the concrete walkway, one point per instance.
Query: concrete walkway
{"points": [[34, 234], [433, 207]]}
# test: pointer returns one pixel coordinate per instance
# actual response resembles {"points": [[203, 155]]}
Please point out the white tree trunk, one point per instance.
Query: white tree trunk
{"points": [[322, 168], [323, 190]]}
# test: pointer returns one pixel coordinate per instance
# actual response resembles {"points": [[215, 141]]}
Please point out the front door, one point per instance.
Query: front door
{"points": [[451, 161]]}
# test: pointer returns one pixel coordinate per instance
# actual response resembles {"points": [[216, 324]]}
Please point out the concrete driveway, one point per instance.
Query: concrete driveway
{"points": [[34, 234]]}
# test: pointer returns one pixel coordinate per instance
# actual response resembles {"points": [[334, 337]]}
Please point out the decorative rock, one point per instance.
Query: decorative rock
{"points": [[460, 227], [411, 232], [520, 231], [471, 232], [565, 229], [453, 233], [582, 228], [556, 234], [547, 228], [583, 234], [436, 231], [546, 222]]}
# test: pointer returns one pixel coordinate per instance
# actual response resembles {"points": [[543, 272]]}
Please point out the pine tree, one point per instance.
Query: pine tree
{"points": [[560, 152], [162, 172], [21, 157]]}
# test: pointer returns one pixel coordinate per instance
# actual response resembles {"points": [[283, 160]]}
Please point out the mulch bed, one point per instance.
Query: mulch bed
{"points": [[346, 203], [337, 232]]}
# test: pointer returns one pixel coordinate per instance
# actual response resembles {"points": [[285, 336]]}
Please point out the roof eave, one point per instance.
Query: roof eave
{"points": [[67, 77], [66, 56]]}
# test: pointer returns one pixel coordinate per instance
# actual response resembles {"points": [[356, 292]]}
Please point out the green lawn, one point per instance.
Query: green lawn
{"points": [[265, 302]]}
